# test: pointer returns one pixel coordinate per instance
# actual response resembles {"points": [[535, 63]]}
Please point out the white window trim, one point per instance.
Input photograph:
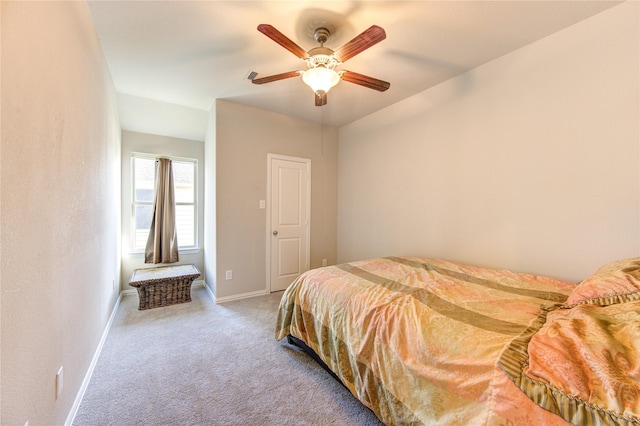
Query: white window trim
{"points": [[195, 249]]}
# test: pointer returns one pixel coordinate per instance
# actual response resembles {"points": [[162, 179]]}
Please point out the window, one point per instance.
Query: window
{"points": [[184, 180]]}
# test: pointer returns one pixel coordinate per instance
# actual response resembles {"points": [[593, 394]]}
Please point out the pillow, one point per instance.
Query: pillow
{"points": [[610, 284], [581, 362], [585, 358]]}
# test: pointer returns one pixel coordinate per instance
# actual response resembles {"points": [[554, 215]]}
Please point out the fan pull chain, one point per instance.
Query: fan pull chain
{"points": [[321, 130]]}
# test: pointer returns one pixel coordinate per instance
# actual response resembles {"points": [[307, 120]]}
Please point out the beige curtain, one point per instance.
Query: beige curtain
{"points": [[162, 243]]}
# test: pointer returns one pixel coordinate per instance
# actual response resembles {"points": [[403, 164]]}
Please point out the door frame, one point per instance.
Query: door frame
{"points": [[307, 249]]}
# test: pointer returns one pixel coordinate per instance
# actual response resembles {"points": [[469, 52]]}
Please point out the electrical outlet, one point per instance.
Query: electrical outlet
{"points": [[228, 275], [324, 262], [59, 382], [262, 204]]}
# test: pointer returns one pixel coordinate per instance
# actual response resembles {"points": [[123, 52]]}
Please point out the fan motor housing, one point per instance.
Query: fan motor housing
{"points": [[324, 51]]}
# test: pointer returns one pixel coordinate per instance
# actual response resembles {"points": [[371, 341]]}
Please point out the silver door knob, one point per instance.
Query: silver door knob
{"points": [[275, 232]]}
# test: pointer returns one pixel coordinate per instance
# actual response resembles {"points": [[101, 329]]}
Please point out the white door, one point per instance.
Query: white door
{"points": [[288, 219]]}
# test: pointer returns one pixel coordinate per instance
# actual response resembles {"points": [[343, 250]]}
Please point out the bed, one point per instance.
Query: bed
{"points": [[433, 342]]}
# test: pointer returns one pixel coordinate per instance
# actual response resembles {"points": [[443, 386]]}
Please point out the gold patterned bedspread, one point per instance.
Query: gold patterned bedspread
{"points": [[418, 340]]}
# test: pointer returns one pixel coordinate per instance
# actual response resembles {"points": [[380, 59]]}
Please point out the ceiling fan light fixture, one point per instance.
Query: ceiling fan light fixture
{"points": [[320, 79], [321, 74]]}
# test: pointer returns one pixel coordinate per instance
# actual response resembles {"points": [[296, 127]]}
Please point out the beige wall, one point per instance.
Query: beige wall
{"points": [[60, 195], [244, 137], [530, 162], [134, 142]]}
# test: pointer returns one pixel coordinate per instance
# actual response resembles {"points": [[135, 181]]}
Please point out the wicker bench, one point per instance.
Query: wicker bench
{"points": [[164, 286]]}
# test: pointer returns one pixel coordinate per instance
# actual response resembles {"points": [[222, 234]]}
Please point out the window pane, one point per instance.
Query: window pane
{"points": [[183, 181], [184, 178], [142, 221], [144, 176], [185, 225]]}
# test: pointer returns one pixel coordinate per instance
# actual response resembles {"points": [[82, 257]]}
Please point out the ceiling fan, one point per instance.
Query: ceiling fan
{"points": [[321, 74]]}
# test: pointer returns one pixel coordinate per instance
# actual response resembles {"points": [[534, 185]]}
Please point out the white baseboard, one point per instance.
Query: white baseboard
{"points": [[236, 296], [92, 366], [233, 297], [210, 292]]}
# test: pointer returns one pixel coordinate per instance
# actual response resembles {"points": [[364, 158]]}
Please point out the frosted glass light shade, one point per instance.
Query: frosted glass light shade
{"points": [[320, 79]]}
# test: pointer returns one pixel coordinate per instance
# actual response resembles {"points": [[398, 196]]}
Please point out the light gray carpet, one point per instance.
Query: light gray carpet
{"points": [[200, 363]]}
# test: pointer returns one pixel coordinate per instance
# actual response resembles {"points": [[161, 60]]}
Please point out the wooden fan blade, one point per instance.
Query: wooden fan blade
{"points": [[275, 77], [283, 40], [374, 34], [364, 80], [320, 99]]}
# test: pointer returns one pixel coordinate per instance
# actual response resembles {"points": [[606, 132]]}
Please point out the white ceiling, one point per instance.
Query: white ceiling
{"points": [[190, 53]]}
